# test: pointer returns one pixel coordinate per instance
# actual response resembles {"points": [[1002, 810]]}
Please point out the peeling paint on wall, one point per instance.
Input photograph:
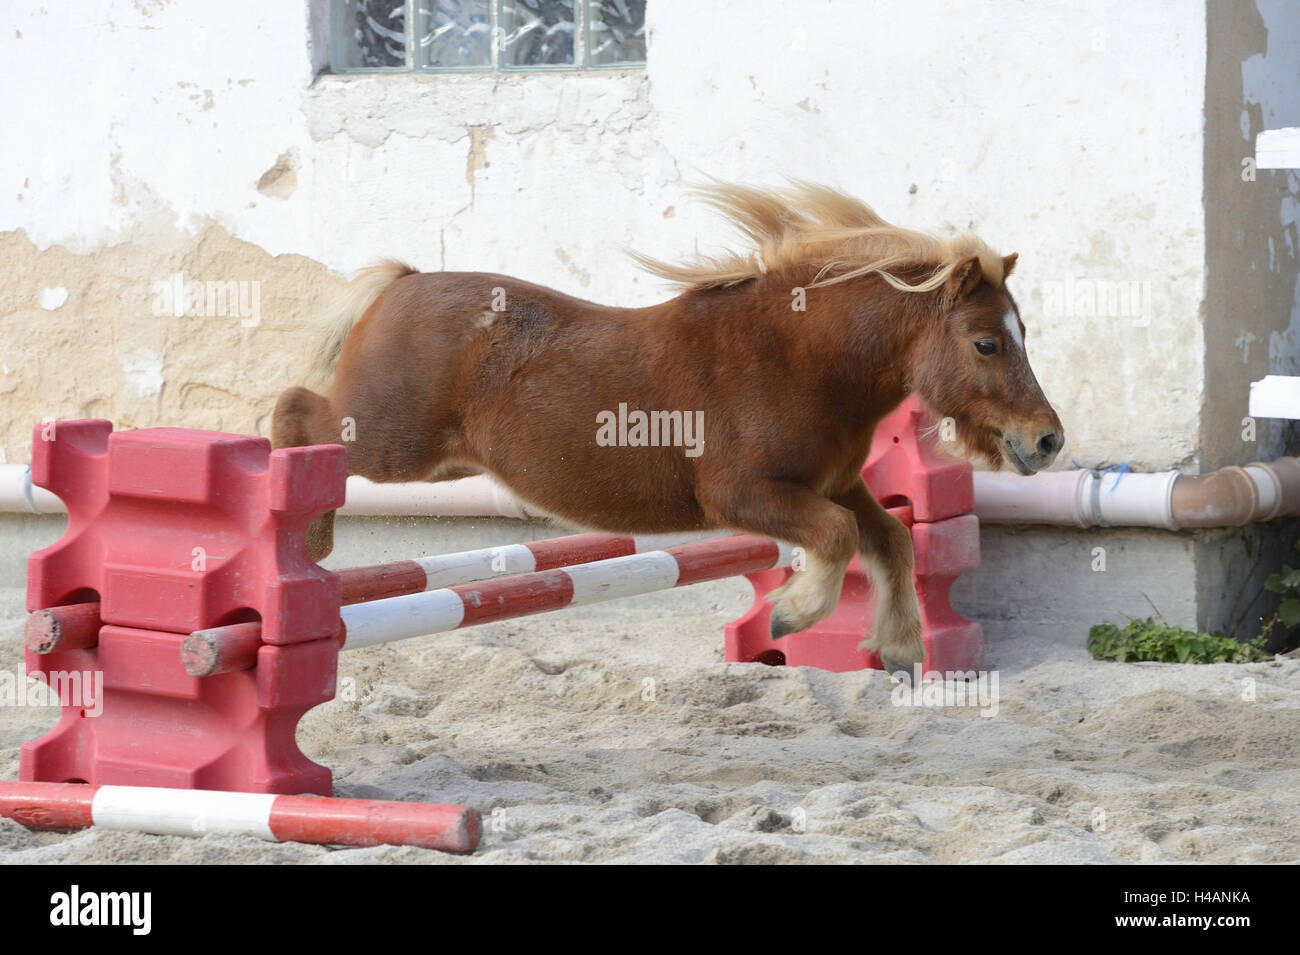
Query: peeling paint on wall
{"points": [[108, 352], [280, 180], [144, 373], [53, 298], [1049, 147], [477, 159]]}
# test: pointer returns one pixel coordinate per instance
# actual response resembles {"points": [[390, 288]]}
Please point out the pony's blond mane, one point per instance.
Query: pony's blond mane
{"points": [[811, 225]]}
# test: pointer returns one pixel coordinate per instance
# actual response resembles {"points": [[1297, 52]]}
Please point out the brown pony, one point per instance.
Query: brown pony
{"points": [[785, 358]]}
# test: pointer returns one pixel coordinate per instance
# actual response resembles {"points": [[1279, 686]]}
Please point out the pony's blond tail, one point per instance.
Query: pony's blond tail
{"points": [[343, 313]]}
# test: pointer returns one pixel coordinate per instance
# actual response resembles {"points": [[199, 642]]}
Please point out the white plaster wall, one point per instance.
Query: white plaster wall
{"points": [[1069, 132]]}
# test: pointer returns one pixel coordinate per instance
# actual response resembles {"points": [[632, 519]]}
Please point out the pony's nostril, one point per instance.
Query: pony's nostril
{"points": [[1049, 443]]}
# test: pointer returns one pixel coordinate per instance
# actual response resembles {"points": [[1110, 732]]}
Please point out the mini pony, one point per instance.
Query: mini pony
{"points": [[782, 358]]}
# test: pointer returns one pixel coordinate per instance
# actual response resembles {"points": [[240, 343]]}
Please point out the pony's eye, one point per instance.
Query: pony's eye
{"points": [[986, 347]]}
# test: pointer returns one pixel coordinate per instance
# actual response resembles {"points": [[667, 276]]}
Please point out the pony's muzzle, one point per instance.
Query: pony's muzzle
{"points": [[1029, 459], [1049, 442]]}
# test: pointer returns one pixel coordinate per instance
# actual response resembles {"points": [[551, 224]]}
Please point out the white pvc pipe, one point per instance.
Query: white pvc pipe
{"points": [[1056, 497], [1132, 500], [1265, 487], [479, 496], [18, 493], [1078, 498]]}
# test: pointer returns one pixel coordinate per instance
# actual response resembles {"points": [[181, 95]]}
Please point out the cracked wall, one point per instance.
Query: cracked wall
{"points": [[146, 140], [98, 336]]}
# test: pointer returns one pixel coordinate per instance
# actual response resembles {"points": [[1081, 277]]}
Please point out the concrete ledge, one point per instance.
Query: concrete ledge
{"points": [[1040, 582]]}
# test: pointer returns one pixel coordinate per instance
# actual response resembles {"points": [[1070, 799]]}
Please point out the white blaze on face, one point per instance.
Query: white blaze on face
{"points": [[1013, 328]]}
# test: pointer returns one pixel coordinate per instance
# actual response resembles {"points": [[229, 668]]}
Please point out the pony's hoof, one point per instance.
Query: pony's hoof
{"points": [[796, 608], [900, 664], [780, 624], [899, 654]]}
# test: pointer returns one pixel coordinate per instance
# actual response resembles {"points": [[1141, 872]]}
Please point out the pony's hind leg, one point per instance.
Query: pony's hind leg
{"points": [[886, 548], [826, 532], [302, 418]]}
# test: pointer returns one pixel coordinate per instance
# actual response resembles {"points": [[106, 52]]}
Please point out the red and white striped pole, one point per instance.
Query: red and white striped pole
{"points": [[196, 812], [76, 626], [451, 608], [223, 649], [363, 584]]}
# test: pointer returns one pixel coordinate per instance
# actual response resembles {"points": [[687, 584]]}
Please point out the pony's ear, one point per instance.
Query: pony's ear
{"points": [[965, 277], [1009, 263]]}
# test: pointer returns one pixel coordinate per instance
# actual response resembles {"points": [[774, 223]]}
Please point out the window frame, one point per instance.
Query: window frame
{"points": [[581, 47]]}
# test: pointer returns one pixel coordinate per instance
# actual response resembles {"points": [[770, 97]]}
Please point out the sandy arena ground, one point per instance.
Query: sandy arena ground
{"points": [[541, 723]]}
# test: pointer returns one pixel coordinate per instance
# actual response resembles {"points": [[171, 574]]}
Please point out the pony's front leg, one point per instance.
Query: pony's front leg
{"points": [[886, 548], [825, 531]]}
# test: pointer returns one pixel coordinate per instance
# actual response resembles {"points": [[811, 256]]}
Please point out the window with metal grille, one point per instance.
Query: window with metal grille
{"points": [[392, 36]]}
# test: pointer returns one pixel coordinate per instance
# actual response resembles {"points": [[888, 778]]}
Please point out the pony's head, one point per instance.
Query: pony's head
{"points": [[973, 368], [967, 360]]}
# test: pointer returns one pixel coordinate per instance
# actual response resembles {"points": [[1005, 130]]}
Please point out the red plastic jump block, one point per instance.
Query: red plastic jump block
{"points": [[932, 495], [172, 531], [179, 530], [155, 725], [904, 468], [944, 551]]}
